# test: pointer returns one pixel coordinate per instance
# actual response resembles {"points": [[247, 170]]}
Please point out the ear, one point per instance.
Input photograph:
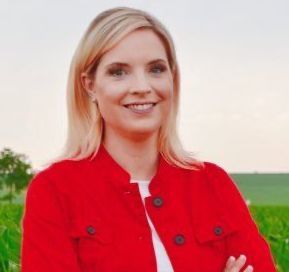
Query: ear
{"points": [[87, 83]]}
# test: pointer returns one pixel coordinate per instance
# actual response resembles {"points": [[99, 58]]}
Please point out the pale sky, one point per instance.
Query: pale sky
{"points": [[234, 62]]}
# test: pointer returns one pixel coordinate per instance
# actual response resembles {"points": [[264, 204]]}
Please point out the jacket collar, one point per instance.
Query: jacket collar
{"points": [[121, 178]]}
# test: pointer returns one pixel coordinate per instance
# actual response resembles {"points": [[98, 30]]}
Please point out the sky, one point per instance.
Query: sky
{"points": [[234, 64]]}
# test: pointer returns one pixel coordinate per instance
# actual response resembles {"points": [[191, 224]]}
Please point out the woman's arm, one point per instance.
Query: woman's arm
{"points": [[248, 241], [46, 245]]}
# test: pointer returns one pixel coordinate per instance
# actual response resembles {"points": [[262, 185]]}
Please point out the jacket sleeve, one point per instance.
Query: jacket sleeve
{"points": [[45, 244], [248, 240]]}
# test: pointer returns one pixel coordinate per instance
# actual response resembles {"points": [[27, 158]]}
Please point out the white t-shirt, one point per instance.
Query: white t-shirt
{"points": [[163, 261]]}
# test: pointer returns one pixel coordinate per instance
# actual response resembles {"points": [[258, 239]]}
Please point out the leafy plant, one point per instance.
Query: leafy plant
{"points": [[15, 173]]}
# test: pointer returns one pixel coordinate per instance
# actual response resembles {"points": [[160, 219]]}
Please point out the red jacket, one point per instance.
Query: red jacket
{"points": [[86, 216]]}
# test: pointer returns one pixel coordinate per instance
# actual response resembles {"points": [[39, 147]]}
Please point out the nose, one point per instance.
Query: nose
{"points": [[140, 85]]}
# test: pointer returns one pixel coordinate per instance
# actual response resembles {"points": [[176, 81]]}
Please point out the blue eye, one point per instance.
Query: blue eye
{"points": [[119, 72], [158, 69], [116, 72]]}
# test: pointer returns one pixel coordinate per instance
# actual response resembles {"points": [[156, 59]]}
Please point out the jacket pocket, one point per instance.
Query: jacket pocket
{"points": [[95, 240], [95, 232], [214, 231], [212, 238]]}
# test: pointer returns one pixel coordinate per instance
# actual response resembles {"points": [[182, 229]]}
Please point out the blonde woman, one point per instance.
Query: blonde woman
{"points": [[125, 196]]}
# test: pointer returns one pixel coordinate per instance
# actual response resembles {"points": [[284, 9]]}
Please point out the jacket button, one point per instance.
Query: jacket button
{"points": [[179, 239], [90, 230], [158, 201], [218, 231]]}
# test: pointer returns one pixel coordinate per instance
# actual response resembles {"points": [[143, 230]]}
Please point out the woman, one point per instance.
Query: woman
{"points": [[125, 196]]}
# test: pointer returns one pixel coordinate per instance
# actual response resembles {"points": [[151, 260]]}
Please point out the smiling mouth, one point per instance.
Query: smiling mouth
{"points": [[141, 108]]}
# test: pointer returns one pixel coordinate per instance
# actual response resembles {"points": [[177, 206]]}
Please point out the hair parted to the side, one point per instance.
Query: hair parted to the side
{"points": [[85, 123]]}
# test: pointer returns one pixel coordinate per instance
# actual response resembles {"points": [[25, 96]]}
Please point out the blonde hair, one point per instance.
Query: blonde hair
{"points": [[85, 124]]}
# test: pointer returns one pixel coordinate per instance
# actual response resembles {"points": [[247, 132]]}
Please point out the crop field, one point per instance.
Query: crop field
{"points": [[273, 223], [264, 189]]}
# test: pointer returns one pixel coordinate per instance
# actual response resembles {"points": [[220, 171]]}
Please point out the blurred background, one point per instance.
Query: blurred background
{"points": [[234, 63]]}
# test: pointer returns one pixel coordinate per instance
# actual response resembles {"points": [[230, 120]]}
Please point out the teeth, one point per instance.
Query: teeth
{"points": [[140, 107]]}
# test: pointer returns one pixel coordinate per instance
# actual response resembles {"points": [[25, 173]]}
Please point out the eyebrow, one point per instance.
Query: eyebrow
{"points": [[126, 64]]}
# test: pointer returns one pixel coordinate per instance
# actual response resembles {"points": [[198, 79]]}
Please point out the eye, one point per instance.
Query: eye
{"points": [[116, 72], [157, 69]]}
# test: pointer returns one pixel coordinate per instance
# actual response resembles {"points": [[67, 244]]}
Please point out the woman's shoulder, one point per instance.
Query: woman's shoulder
{"points": [[211, 171], [213, 178], [59, 175], [216, 171], [217, 177], [223, 185], [212, 167], [62, 167]]}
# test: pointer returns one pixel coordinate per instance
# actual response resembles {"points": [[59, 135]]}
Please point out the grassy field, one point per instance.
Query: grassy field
{"points": [[264, 189], [273, 223]]}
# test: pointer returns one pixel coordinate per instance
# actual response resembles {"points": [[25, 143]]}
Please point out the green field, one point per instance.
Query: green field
{"points": [[264, 189]]}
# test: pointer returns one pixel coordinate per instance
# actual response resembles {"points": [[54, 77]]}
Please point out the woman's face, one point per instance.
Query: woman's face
{"points": [[133, 85]]}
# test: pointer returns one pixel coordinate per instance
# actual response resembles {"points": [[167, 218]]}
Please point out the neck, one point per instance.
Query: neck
{"points": [[138, 158]]}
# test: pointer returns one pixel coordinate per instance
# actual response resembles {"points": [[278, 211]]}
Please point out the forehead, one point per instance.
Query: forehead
{"points": [[144, 45]]}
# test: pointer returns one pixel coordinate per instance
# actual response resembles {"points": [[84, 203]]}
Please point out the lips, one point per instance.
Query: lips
{"points": [[141, 107], [140, 104]]}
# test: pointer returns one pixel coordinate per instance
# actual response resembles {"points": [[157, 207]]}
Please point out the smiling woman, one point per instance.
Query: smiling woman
{"points": [[125, 195], [133, 88]]}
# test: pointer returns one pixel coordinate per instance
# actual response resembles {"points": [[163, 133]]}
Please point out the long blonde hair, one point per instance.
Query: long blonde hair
{"points": [[85, 124]]}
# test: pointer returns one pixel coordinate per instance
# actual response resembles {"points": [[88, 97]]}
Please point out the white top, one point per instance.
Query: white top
{"points": [[163, 262]]}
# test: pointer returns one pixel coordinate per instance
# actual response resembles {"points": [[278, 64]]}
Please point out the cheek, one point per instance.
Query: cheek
{"points": [[110, 94], [106, 102], [164, 88], [166, 94]]}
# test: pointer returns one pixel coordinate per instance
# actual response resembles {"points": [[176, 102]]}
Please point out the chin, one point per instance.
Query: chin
{"points": [[144, 131]]}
